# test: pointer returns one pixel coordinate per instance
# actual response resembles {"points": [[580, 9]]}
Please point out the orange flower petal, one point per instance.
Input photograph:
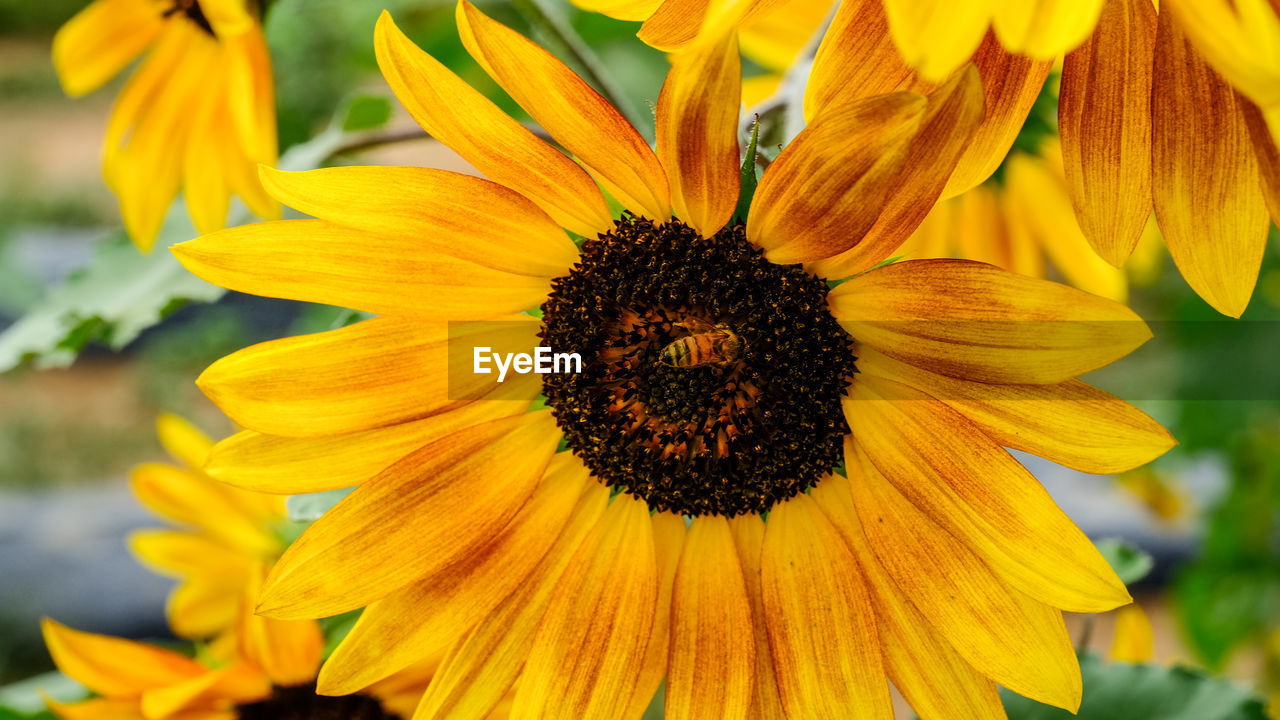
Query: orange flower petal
{"points": [[574, 114], [417, 517], [1208, 196], [712, 671], [748, 536], [668, 539], [1104, 118], [504, 150], [856, 59], [114, 667], [697, 124]]}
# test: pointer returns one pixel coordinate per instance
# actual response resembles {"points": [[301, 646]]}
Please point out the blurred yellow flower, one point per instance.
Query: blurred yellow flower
{"points": [[270, 675], [695, 529], [222, 534], [1133, 641], [198, 115], [1158, 492]]}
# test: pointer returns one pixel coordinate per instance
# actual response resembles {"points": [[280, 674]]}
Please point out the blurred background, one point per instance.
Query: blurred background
{"points": [[71, 427]]}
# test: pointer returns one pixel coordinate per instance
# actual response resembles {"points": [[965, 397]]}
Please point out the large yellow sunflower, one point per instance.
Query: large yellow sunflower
{"points": [[269, 676], [698, 527], [198, 115], [222, 534]]}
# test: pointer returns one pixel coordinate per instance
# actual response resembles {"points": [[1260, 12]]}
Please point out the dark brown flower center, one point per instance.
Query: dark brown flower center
{"points": [[300, 702], [712, 378]]}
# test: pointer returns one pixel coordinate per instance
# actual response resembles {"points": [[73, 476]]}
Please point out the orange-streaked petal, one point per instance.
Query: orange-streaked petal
{"points": [[114, 667], [856, 59], [432, 612], [587, 656], [978, 322], [1104, 118], [1071, 423], [448, 498], [924, 667], [822, 628], [446, 212], [826, 188], [1016, 641], [375, 373], [748, 536], [504, 150], [571, 111], [1011, 84], [316, 261], [1267, 152], [289, 466], [680, 25], [100, 40], [668, 541], [962, 480], [697, 124], [712, 670], [1208, 196], [955, 111], [477, 673]]}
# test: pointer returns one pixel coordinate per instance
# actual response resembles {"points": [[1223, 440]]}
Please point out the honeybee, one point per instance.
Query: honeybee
{"points": [[706, 344]]}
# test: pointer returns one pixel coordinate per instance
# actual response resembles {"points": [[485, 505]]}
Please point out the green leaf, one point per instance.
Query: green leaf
{"points": [[1121, 691], [121, 293], [1129, 561], [335, 629], [747, 186], [309, 507], [366, 113]]}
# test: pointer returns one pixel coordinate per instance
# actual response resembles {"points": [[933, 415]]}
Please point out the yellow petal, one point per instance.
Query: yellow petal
{"points": [[933, 678], [826, 648], [775, 39], [98, 709], [187, 498], [205, 163], [1240, 40], [289, 466], [1016, 641], [1104, 118], [446, 212], [668, 541], [697, 124], [100, 40], [431, 613], [954, 112], [200, 610], [712, 672], [315, 261], [1208, 196], [748, 537], [856, 59], [977, 322], [678, 25], [1133, 641], [1011, 84], [184, 442], [582, 121], [937, 36], [251, 104], [477, 673], [1044, 29], [375, 373], [962, 480], [587, 656], [430, 509], [501, 148], [634, 10], [1267, 152], [825, 190], [1038, 185], [111, 666], [178, 553], [196, 698], [288, 651], [1071, 423]]}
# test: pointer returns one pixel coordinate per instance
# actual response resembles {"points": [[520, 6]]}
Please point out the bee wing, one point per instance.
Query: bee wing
{"points": [[695, 325]]}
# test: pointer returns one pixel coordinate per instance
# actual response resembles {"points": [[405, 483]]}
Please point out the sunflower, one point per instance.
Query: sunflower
{"points": [[1023, 220], [221, 534], [198, 115], [270, 676], [697, 526]]}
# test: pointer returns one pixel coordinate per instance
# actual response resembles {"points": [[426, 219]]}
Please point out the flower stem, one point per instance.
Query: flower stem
{"points": [[554, 29]]}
